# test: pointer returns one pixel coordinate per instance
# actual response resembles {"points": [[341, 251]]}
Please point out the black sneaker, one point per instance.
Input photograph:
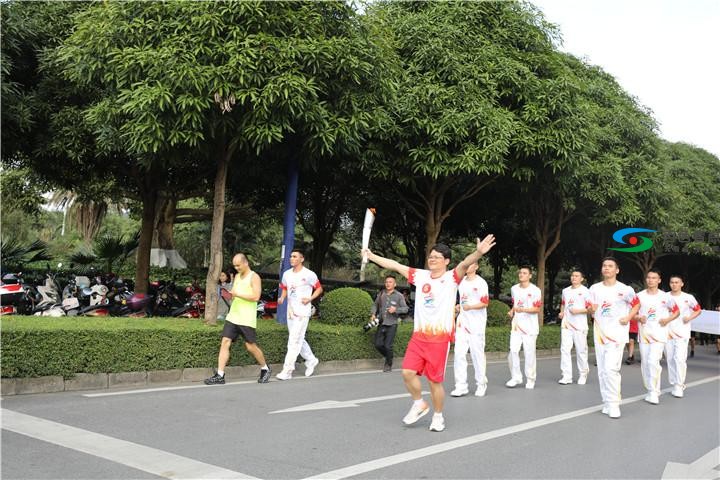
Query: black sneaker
{"points": [[215, 380], [630, 360], [265, 375], [387, 367]]}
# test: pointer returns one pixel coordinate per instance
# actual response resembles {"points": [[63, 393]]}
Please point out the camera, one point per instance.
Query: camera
{"points": [[371, 324]]}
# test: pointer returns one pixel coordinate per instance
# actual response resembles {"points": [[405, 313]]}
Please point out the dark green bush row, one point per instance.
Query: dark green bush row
{"points": [[38, 346]]}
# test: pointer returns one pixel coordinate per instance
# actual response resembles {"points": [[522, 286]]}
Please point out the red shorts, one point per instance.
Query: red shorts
{"points": [[427, 358]]}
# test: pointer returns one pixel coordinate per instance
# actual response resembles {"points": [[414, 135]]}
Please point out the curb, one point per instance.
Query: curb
{"points": [[103, 381]]}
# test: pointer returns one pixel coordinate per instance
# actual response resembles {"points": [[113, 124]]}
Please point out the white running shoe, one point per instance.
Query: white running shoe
{"points": [[481, 390], [512, 383], [310, 367], [530, 385], [614, 412], [459, 392], [652, 398], [565, 381], [605, 409], [677, 391], [582, 380], [438, 423], [415, 414], [284, 375]]}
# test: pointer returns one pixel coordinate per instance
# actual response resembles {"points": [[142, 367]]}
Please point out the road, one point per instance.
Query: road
{"points": [[349, 426]]}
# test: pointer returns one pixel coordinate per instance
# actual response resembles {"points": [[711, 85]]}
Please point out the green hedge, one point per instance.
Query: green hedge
{"points": [[39, 346], [497, 314], [346, 306]]}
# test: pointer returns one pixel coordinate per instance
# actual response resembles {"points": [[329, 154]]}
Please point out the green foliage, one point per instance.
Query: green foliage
{"points": [[15, 256], [497, 314], [39, 346], [346, 306]]}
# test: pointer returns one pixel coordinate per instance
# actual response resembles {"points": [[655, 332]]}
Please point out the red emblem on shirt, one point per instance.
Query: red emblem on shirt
{"points": [[426, 288]]}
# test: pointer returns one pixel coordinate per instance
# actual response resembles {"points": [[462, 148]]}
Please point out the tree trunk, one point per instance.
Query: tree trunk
{"points": [[547, 235], [216, 240], [142, 269], [497, 265]]}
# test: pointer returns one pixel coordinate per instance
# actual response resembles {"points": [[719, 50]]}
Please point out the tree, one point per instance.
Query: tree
{"points": [[220, 81], [478, 94]]}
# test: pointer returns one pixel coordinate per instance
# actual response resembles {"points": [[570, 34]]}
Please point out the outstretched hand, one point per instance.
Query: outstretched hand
{"points": [[486, 244]]}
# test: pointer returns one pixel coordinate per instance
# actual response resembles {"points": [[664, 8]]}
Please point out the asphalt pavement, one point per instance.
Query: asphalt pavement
{"points": [[348, 425]]}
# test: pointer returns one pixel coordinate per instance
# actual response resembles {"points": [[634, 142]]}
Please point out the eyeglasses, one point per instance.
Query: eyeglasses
{"points": [[436, 257]]}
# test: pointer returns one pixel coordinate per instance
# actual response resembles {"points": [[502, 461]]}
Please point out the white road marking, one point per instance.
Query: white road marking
{"points": [[704, 467], [328, 404], [243, 382], [385, 462], [246, 382], [140, 457]]}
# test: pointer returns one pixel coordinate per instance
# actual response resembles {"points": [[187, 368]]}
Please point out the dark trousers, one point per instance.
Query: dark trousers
{"points": [[384, 338]]}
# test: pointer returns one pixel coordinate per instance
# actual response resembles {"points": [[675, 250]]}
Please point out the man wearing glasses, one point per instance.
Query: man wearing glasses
{"points": [[434, 324]]}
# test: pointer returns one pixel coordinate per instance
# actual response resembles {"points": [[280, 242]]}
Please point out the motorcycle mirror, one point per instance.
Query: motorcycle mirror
{"points": [[87, 291]]}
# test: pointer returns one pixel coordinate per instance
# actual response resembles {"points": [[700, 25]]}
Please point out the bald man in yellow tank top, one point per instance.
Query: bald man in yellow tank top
{"points": [[241, 320]]}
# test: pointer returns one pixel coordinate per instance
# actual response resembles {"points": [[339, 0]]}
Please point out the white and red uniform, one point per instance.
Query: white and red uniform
{"points": [[652, 336], [574, 330], [676, 348], [612, 303], [524, 331], [298, 285], [470, 332], [434, 319]]}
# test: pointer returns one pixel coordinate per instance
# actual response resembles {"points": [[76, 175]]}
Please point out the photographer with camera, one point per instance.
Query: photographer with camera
{"points": [[389, 305]]}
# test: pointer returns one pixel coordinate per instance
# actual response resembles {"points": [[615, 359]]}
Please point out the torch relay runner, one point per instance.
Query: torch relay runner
{"points": [[434, 324]]}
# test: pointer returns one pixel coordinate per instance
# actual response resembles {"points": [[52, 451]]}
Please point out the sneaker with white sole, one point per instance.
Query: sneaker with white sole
{"points": [[565, 381], [459, 392], [677, 391], [512, 383], [605, 409], [310, 367], [438, 423], [652, 398], [530, 385], [614, 411], [582, 380], [284, 375], [481, 390], [416, 413]]}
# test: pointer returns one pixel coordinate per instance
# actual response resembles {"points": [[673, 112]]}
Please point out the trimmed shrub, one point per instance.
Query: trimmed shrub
{"points": [[346, 306], [497, 314], [39, 346]]}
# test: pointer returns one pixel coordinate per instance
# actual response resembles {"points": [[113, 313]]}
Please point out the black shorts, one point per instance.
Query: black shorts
{"points": [[633, 336], [231, 331]]}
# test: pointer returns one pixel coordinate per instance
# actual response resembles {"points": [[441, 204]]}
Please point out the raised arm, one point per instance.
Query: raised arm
{"points": [[386, 263], [481, 248]]}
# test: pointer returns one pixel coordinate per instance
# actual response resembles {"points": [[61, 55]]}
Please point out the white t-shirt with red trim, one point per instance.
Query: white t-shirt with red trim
{"points": [[528, 297], [573, 298], [612, 303], [654, 307], [687, 304], [434, 305], [299, 285], [473, 292]]}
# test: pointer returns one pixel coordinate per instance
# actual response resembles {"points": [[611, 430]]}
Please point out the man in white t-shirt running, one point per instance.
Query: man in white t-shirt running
{"points": [[574, 329], [657, 310], [300, 286], [434, 324], [613, 305], [525, 327], [676, 348], [470, 332]]}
